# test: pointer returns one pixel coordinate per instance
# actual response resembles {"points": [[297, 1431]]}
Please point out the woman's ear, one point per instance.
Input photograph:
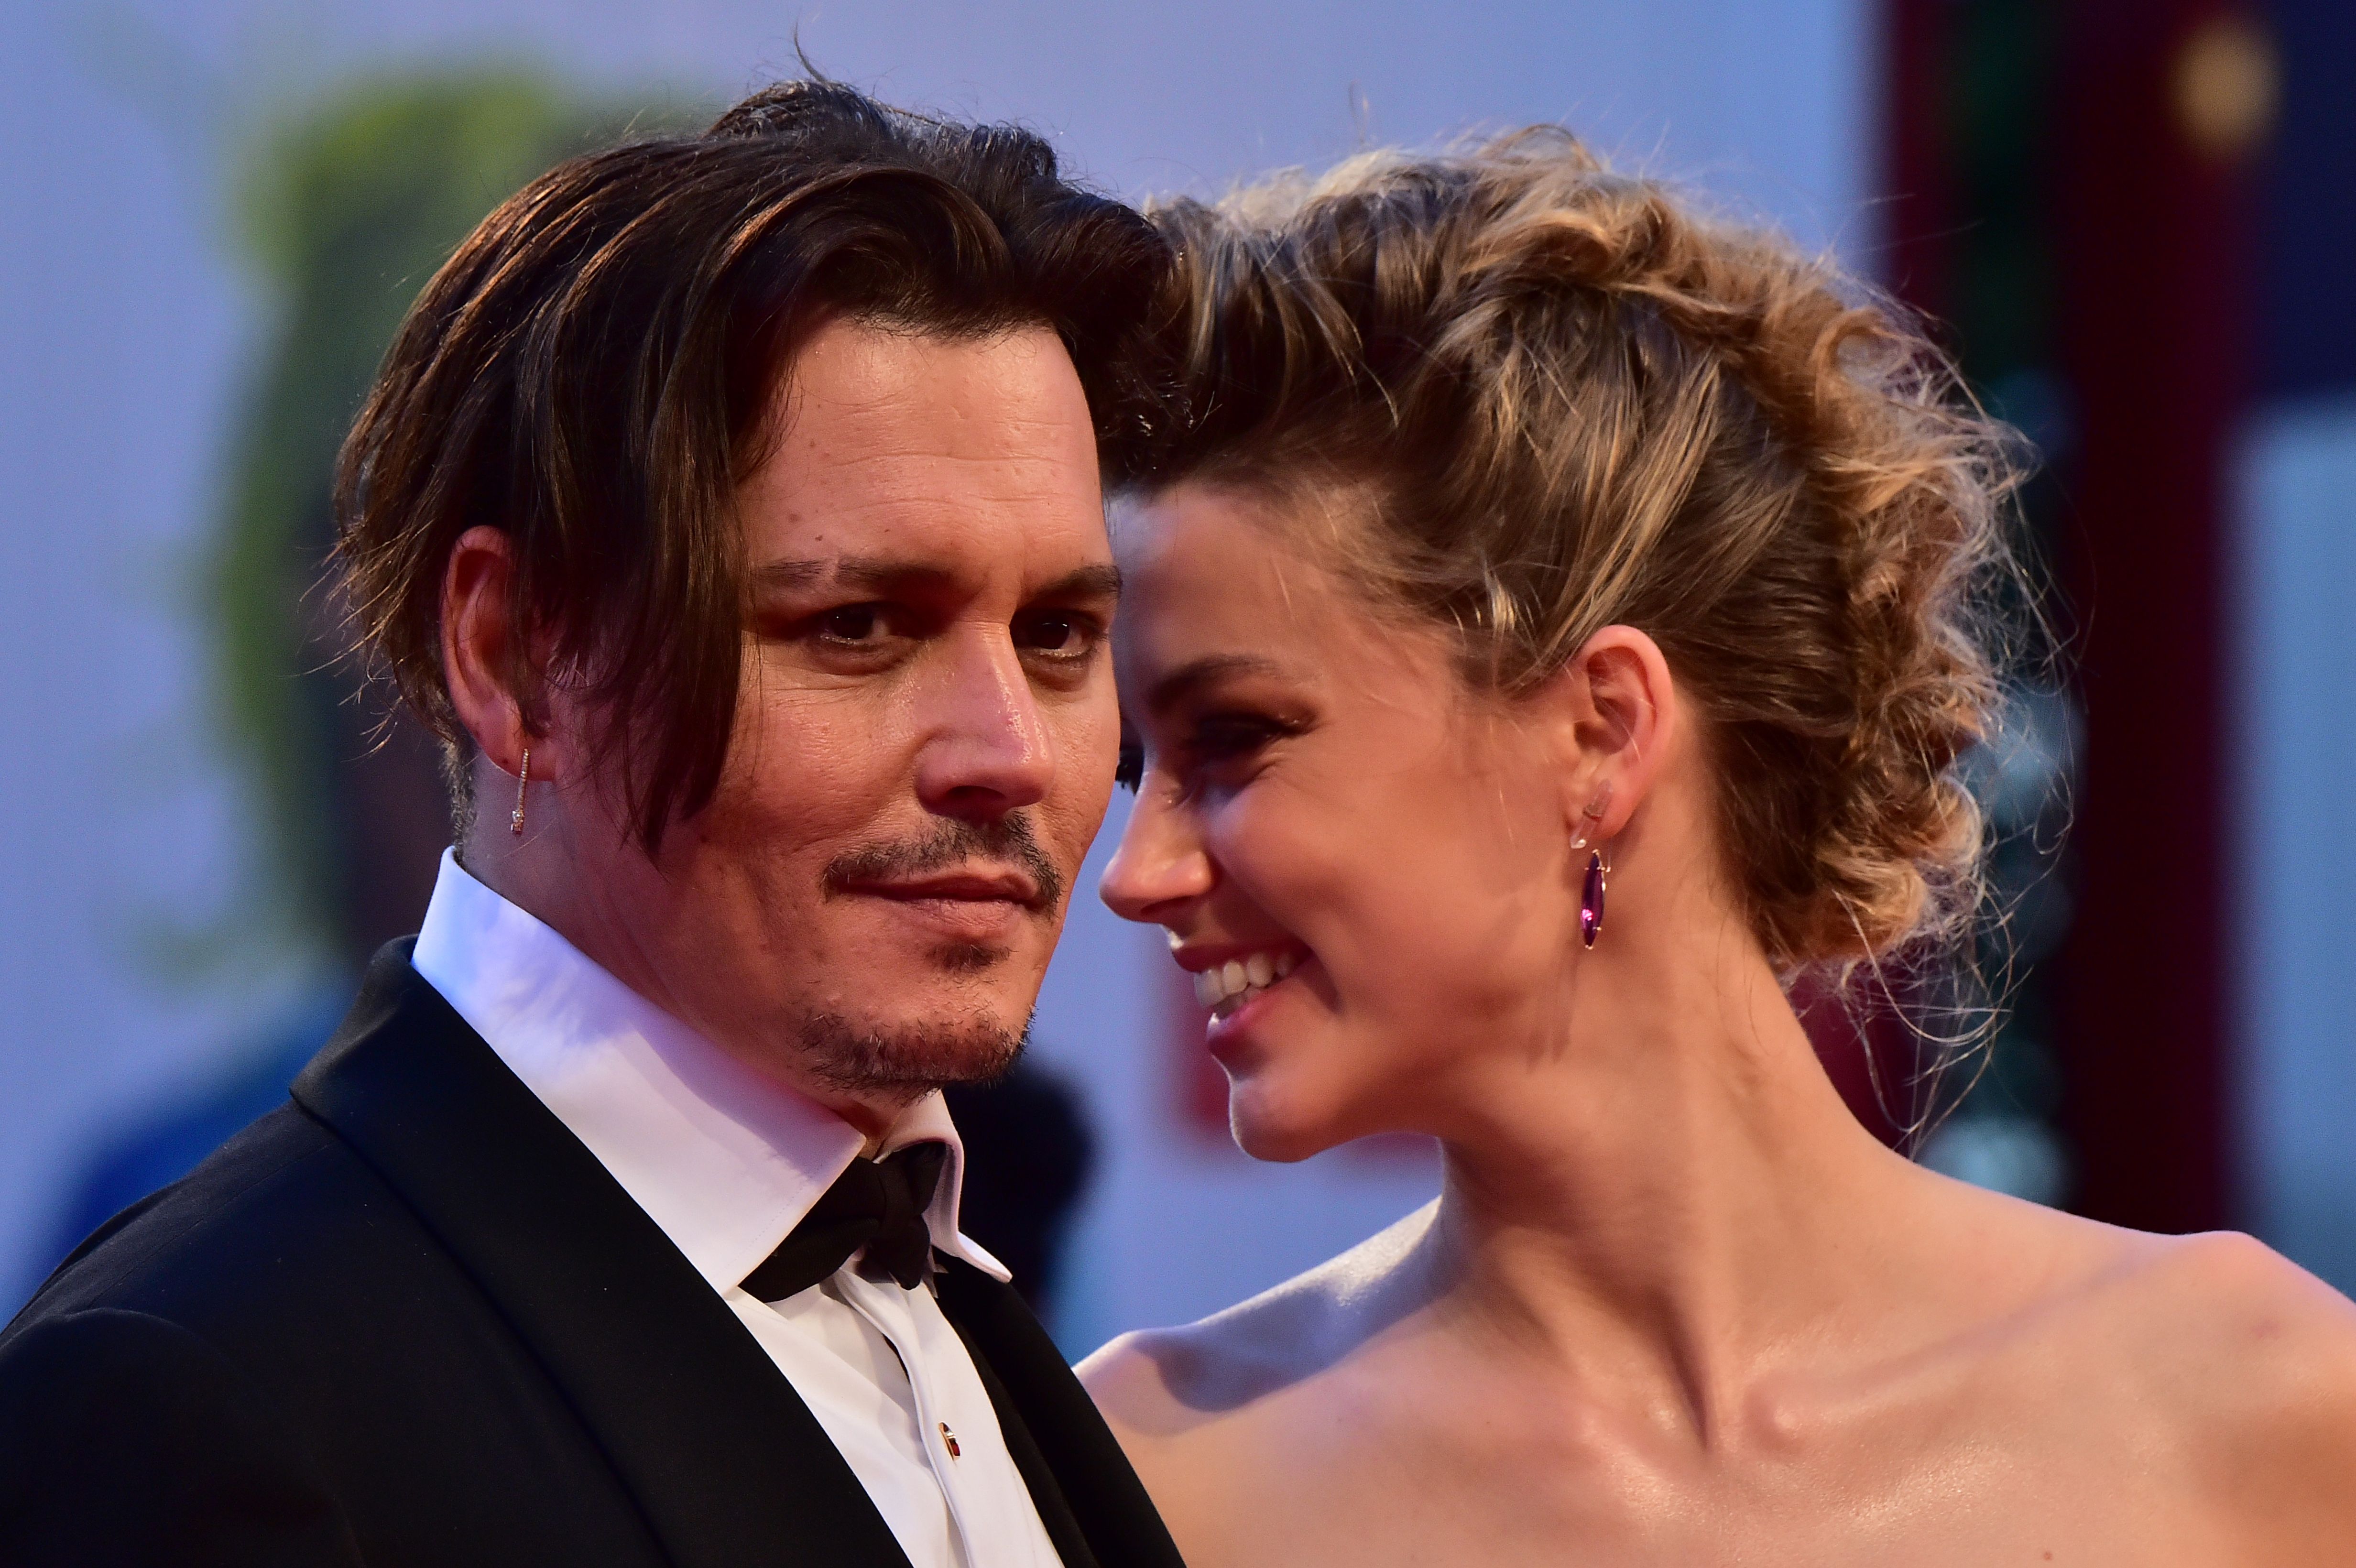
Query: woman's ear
{"points": [[1620, 710]]}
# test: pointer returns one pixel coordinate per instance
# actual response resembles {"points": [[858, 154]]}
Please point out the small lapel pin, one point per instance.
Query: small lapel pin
{"points": [[948, 1440]]}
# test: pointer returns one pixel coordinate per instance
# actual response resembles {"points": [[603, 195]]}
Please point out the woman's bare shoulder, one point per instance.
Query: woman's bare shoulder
{"points": [[1158, 1382], [2248, 1363], [2222, 1315]]}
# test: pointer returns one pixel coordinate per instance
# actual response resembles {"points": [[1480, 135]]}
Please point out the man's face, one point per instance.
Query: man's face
{"points": [[927, 732]]}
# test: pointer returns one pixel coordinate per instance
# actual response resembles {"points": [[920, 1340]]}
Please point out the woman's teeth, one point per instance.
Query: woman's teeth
{"points": [[1223, 988]]}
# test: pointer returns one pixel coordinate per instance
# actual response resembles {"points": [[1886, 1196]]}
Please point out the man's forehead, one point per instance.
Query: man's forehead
{"points": [[970, 523], [859, 394], [922, 570], [933, 467]]}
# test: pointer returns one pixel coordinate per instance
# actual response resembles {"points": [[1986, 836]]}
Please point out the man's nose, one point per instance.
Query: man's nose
{"points": [[987, 751], [1161, 866]]}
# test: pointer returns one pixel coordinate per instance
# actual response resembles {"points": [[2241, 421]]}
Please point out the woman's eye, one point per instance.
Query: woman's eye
{"points": [[1224, 737], [852, 623], [1131, 771]]}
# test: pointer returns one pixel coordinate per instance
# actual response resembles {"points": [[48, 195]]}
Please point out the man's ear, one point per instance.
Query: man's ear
{"points": [[478, 652], [1620, 708]]}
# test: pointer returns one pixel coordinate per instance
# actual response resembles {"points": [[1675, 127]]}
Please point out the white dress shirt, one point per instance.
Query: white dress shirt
{"points": [[727, 1162]]}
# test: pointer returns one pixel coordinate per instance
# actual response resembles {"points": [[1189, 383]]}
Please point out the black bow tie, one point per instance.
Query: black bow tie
{"points": [[878, 1204]]}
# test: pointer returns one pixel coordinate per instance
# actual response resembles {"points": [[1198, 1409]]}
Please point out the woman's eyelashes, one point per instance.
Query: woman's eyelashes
{"points": [[1215, 747], [1222, 737]]}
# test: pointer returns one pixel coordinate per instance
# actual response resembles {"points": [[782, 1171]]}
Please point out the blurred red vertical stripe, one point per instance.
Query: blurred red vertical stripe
{"points": [[2156, 324], [2154, 236], [1917, 178]]}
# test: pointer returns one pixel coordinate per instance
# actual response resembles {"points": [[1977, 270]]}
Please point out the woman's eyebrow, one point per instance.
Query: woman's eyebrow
{"points": [[1195, 674]]}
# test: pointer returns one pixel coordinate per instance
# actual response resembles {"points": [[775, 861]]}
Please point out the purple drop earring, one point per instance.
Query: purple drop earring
{"points": [[1590, 899], [1599, 870]]}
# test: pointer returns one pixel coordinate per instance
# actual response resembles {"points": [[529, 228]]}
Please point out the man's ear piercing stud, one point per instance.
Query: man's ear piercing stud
{"points": [[523, 776]]}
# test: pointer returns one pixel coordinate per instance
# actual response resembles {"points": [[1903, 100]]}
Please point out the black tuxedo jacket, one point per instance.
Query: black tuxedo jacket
{"points": [[409, 1319]]}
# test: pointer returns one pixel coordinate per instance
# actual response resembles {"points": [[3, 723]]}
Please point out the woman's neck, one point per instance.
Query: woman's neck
{"points": [[1667, 1192]]}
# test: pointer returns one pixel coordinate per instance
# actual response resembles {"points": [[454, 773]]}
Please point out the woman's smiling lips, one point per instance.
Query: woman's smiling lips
{"points": [[1231, 978]]}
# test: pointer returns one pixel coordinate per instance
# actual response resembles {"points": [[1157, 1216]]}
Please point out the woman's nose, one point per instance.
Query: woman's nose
{"points": [[1161, 866]]}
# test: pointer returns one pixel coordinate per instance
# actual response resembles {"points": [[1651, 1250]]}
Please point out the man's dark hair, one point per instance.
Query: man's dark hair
{"points": [[591, 373]]}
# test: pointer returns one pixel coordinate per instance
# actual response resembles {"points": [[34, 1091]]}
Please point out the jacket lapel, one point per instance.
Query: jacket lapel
{"points": [[1082, 1479], [1064, 1532], [728, 1464]]}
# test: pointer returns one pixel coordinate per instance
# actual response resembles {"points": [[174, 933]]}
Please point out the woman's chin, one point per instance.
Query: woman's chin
{"points": [[1271, 1126]]}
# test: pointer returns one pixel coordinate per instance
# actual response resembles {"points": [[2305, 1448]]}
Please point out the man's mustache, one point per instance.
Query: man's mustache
{"points": [[953, 846]]}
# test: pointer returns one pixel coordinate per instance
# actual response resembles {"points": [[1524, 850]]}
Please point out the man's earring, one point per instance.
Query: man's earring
{"points": [[1598, 869], [523, 776]]}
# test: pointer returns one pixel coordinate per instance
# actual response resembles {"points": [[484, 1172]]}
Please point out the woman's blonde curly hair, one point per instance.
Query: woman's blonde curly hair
{"points": [[1574, 401]]}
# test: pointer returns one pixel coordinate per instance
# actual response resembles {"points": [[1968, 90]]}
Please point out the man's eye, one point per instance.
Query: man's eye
{"points": [[1064, 637], [852, 623]]}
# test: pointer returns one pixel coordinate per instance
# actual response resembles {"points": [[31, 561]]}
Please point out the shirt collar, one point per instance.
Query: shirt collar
{"points": [[725, 1160]]}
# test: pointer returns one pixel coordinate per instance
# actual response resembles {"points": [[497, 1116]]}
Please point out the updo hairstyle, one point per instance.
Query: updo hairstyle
{"points": [[1570, 400]]}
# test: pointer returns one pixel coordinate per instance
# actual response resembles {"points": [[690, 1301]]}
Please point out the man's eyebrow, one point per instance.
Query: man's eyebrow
{"points": [[1088, 582], [1192, 676], [867, 572]]}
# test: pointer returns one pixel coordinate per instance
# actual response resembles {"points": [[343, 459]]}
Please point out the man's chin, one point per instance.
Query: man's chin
{"points": [[908, 1057]]}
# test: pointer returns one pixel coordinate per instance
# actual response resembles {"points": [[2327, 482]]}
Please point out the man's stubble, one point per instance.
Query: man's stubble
{"points": [[907, 1062]]}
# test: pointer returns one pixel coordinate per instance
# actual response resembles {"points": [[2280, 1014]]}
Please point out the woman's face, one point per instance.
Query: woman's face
{"points": [[1365, 865]]}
